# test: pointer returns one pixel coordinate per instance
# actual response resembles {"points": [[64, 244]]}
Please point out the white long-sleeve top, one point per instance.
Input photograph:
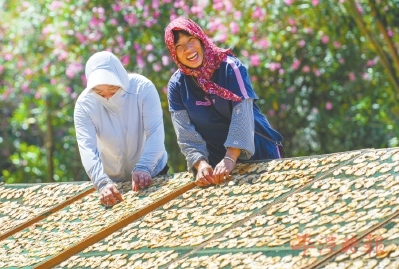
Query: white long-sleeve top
{"points": [[124, 133]]}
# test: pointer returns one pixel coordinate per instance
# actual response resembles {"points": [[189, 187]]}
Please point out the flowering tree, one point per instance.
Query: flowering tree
{"points": [[325, 71]]}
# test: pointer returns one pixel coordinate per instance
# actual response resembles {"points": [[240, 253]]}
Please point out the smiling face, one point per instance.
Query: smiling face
{"points": [[189, 51], [106, 91]]}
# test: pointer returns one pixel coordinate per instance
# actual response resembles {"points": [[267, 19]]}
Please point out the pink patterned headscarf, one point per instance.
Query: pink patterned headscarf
{"points": [[213, 57]]}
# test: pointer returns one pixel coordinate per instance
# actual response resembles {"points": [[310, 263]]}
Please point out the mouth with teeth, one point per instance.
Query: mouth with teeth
{"points": [[193, 57]]}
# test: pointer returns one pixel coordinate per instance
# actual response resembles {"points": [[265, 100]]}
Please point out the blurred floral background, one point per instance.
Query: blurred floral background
{"points": [[326, 71]]}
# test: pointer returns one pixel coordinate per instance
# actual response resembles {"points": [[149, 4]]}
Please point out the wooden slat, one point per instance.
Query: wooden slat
{"points": [[57, 259], [45, 214]]}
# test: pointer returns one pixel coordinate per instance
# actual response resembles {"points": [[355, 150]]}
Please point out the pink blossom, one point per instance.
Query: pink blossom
{"points": [[254, 78], [352, 76], [274, 66], [281, 71], [390, 33], [301, 43], [121, 41], [95, 22], [295, 65], [47, 29], [165, 90], [165, 60], [62, 54], [55, 5], [228, 6], [271, 112], [24, 88], [25, 4], [258, 13], [155, 4], [73, 69], [99, 10], [8, 57], [157, 67], [116, 7], [113, 21], [196, 9], [370, 63], [95, 36], [81, 38], [140, 62], [254, 59], [315, 2], [315, 110], [244, 53], [167, 1], [148, 23], [74, 94], [234, 27], [125, 59], [215, 25], [289, 2], [149, 47], [68, 89], [263, 43], [316, 72], [325, 39], [130, 18], [136, 47], [237, 15], [218, 5], [359, 8], [329, 105], [337, 44], [53, 81], [150, 57], [28, 72], [156, 14], [306, 69], [84, 80], [173, 17], [308, 30], [366, 76], [291, 21], [20, 63], [341, 60], [221, 37], [38, 95], [293, 29]]}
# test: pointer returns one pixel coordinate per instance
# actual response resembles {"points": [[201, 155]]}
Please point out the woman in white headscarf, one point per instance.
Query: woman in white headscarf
{"points": [[119, 127]]}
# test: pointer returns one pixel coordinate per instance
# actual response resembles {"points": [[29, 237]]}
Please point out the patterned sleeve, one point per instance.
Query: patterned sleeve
{"points": [[241, 131], [190, 141]]}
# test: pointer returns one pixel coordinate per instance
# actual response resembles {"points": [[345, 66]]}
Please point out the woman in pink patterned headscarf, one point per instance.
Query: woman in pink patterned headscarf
{"points": [[212, 105]]}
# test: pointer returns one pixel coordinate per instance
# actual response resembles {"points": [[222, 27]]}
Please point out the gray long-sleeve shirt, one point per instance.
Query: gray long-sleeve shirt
{"points": [[240, 135]]}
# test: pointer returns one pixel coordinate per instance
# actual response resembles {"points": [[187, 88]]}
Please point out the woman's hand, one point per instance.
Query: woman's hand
{"points": [[222, 170], [140, 180], [109, 195], [204, 175]]}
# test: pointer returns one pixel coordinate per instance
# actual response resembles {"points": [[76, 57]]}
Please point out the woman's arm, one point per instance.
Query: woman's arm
{"points": [[86, 138], [241, 131], [190, 141], [154, 146]]}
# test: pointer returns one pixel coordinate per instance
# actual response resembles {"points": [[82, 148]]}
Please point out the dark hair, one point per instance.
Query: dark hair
{"points": [[176, 35]]}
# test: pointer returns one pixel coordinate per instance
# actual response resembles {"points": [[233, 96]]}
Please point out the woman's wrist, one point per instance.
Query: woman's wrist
{"points": [[230, 159], [200, 163]]}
